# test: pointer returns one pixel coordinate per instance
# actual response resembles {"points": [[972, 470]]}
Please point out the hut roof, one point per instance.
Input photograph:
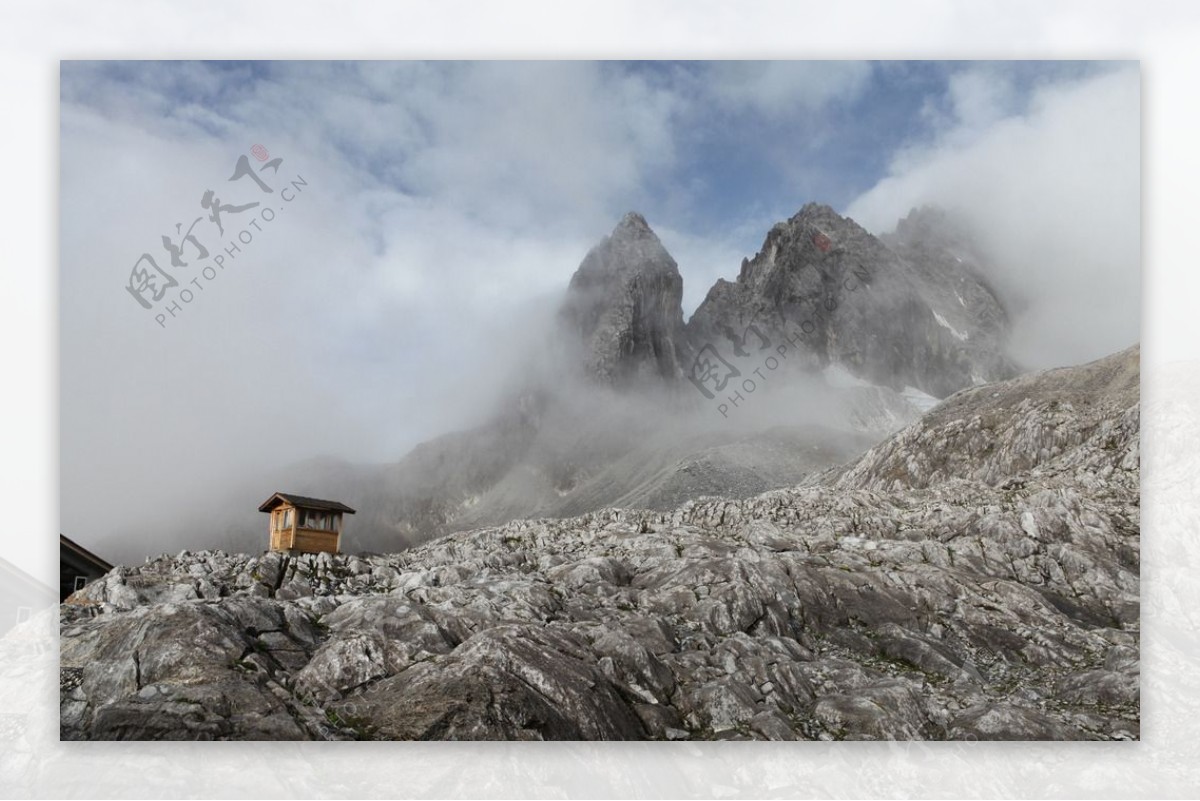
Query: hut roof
{"points": [[303, 502]]}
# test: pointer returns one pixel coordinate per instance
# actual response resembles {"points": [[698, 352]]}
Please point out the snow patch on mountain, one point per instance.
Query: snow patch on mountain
{"points": [[945, 324]]}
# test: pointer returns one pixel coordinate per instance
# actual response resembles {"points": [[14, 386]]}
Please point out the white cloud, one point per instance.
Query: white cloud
{"points": [[976, 98], [1054, 196], [528, 145], [387, 305]]}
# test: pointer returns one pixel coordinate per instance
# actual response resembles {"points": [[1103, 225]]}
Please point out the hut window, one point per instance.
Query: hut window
{"points": [[80, 582]]}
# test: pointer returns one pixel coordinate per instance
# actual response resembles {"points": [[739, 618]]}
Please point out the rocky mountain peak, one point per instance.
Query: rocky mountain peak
{"points": [[817, 212], [631, 248], [924, 220], [803, 241], [932, 229], [898, 317], [633, 225], [907, 310], [623, 307]]}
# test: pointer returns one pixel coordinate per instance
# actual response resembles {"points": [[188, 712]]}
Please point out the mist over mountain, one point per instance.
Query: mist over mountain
{"points": [[828, 339]]}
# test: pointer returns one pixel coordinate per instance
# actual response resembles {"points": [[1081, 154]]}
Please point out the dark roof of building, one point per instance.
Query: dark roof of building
{"points": [[304, 502], [83, 553]]}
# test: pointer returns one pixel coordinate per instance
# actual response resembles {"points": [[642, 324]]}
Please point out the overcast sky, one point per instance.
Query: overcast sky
{"points": [[437, 209]]}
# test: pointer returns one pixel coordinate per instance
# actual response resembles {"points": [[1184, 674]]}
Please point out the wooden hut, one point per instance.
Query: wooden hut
{"points": [[304, 525]]}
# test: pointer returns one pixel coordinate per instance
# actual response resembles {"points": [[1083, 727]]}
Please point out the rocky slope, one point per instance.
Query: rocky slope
{"points": [[568, 465], [908, 596]]}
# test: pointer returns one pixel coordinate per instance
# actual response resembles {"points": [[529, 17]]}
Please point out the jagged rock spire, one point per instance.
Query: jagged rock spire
{"points": [[623, 305]]}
